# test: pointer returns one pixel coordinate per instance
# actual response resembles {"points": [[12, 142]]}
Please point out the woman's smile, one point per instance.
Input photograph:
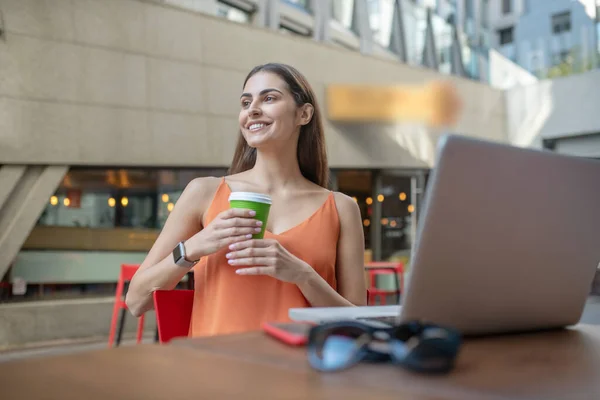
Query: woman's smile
{"points": [[257, 126]]}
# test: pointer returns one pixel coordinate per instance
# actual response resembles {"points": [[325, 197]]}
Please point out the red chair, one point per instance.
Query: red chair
{"points": [[173, 310], [375, 269], [127, 272]]}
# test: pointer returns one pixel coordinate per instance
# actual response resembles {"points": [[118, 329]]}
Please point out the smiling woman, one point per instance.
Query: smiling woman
{"points": [[299, 103], [312, 251]]}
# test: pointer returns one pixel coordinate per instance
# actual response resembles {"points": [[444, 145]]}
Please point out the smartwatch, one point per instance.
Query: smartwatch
{"points": [[180, 258]]}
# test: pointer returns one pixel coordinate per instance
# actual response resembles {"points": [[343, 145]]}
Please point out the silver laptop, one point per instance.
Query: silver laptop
{"points": [[508, 240]]}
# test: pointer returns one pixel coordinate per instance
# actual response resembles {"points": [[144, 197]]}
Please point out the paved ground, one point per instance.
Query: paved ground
{"points": [[591, 315], [64, 348]]}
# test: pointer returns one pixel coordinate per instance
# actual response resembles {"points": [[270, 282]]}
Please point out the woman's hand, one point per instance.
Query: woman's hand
{"points": [[230, 226], [268, 257]]}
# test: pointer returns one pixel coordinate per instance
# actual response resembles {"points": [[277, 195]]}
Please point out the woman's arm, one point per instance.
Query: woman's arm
{"points": [[159, 271], [351, 285]]}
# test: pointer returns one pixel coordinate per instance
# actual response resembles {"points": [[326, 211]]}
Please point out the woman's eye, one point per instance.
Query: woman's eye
{"points": [[245, 103], [269, 98]]}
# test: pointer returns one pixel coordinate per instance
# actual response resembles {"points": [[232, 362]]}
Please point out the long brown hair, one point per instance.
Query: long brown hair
{"points": [[312, 152]]}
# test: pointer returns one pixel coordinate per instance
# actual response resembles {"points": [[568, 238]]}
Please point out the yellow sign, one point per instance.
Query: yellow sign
{"points": [[435, 104]]}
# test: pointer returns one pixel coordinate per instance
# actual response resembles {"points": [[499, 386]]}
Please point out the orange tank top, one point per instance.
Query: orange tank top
{"points": [[225, 302]]}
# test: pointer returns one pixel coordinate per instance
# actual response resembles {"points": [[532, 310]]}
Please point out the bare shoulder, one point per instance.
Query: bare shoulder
{"points": [[199, 192], [348, 210], [203, 187]]}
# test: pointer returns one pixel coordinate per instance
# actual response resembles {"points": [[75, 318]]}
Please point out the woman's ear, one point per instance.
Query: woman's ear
{"points": [[306, 113]]}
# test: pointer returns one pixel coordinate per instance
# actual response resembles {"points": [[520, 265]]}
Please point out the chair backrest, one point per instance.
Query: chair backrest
{"points": [[398, 266], [127, 271], [173, 313]]}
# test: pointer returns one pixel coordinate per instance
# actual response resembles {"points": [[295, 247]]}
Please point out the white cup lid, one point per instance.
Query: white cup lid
{"points": [[249, 196]]}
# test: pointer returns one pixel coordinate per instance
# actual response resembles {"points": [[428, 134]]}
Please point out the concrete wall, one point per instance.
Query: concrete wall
{"points": [[553, 109], [50, 321], [126, 82], [48, 266], [504, 74]]}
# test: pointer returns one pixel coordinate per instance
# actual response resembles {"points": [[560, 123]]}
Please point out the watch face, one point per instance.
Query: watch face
{"points": [[178, 252]]}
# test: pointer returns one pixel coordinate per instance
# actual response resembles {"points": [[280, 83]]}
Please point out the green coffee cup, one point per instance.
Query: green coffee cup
{"points": [[260, 203]]}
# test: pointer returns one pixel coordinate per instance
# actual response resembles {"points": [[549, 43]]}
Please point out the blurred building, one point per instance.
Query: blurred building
{"points": [[541, 35], [109, 108]]}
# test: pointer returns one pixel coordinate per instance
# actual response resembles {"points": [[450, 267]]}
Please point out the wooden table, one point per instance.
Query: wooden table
{"points": [[561, 364]]}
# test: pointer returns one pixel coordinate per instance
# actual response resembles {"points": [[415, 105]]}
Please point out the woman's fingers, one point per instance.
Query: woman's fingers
{"points": [[237, 212], [267, 261], [254, 243], [238, 231], [256, 271]]}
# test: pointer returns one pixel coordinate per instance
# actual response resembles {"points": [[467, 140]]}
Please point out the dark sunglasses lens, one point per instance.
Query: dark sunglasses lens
{"points": [[434, 351], [336, 348]]}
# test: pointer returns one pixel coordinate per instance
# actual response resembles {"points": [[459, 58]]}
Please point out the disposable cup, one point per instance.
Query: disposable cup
{"points": [[260, 203]]}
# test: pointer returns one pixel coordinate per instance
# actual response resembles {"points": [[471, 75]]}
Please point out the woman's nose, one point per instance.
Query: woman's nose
{"points": [[254, 110]]}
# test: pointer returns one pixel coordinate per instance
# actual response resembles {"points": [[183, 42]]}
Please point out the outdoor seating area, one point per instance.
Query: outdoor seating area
{"points": [[299, 199]]}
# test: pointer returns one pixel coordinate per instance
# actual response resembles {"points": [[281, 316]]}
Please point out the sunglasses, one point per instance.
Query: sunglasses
{"points": [[414, 345]]}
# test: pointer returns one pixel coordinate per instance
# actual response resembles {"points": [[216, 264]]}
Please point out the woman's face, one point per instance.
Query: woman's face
{"points": [[268, 111]]}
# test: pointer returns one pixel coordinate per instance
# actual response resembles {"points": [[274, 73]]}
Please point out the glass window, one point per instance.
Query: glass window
{"points": [[341, 12], [561, 22], [505, 36], [113, 198], [443, 40], [381, 14], [415, 25], [396, 211], [302, 4], [470, 58], [506, 6], [232, 13], [358, 185]]}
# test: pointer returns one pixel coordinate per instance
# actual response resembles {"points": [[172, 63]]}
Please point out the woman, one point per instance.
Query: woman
{"points": [[312, 252]]}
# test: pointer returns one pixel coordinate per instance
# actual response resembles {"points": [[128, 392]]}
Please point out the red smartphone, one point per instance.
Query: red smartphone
{"points": [[290, 333]]}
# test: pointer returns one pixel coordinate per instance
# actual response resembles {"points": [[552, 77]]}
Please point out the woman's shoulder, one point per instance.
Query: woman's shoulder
{"points": [[202, 190], [348, 210], [345, 204], [202, 186]]}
